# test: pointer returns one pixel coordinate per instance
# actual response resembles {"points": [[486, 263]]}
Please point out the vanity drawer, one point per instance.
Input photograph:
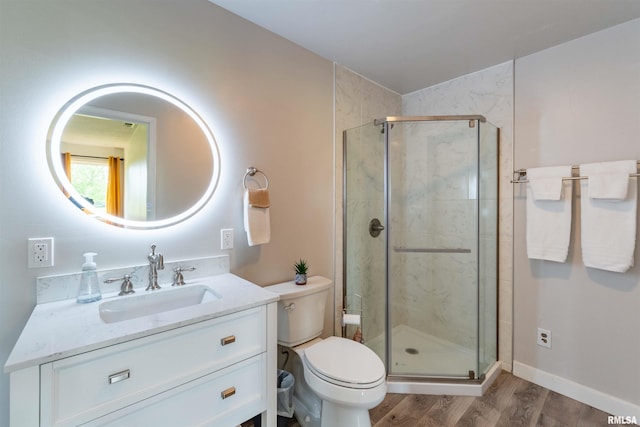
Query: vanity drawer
{"points": [[81, 388], [223, 398]]}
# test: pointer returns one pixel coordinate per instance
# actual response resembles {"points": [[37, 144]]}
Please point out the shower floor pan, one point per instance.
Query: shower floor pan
{"points": [[414, 351]]}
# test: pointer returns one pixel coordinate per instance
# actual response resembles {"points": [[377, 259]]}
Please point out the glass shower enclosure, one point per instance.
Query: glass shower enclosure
{"points": [[420, 244]]}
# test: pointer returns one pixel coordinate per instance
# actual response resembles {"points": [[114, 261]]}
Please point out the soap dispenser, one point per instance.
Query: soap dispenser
{"points": [[89, 290]]}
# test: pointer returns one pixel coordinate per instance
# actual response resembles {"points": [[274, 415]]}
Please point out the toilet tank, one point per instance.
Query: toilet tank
{"points": [[301, 309]]}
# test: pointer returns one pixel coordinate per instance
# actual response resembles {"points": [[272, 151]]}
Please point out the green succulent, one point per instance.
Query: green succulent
{"points": [[301, 267]]}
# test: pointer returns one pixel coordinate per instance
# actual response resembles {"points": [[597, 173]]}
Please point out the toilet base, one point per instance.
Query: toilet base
{"points": [[307, 405], [335, 415], [305, 417]]}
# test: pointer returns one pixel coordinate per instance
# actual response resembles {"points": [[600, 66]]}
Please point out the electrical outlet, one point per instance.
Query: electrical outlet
{"points": [[40, 252], [544, 338], [226, 238]]}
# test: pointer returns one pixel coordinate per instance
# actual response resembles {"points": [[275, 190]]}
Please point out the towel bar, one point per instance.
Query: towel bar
{"points": [[251, 171], [518, 174], [567, 178]]}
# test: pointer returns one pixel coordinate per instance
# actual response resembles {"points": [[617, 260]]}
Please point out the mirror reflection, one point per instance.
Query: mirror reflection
{"points": [[133, 156]]}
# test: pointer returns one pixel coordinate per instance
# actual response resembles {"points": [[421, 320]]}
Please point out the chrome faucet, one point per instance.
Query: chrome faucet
{"points": [[156, 262]]}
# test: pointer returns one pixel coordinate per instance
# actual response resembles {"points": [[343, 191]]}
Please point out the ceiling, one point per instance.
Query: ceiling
{"points": [[99, 131], [407, 45]]}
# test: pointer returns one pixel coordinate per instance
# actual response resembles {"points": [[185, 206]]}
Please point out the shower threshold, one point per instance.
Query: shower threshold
{"points": [[439, 386]]}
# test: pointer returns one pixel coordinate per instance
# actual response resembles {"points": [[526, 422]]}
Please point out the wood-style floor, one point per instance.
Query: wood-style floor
{"points": [[509, 402]]}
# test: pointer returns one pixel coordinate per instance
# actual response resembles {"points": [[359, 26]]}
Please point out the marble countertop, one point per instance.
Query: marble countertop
{"points": [[64, 328]]}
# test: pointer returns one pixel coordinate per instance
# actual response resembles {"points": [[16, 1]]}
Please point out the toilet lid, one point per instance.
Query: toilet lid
{"points": [[345, 361]]}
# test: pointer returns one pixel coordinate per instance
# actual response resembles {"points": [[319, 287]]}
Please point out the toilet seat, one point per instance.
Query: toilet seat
{"points": [[345, 363]]}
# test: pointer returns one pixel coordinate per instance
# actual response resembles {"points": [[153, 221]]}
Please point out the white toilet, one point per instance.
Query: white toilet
{"points": [[337, 380]]}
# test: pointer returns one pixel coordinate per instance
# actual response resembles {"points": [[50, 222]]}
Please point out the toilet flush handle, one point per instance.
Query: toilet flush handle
{"points": [[290, 306]]}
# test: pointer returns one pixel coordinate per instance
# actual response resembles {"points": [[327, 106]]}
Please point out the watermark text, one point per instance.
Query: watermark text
{"points": [[622, 419]]}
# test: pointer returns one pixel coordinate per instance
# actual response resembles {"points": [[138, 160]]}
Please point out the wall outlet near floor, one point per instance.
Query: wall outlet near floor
{"points": [[544, 338], [226, 238], [40, 252]]}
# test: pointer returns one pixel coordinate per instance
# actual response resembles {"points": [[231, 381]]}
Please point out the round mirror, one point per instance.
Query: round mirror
{"points": [[133, 156]]}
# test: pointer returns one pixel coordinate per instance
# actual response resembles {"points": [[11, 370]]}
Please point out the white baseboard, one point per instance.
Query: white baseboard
{"points": [[579, 392]]}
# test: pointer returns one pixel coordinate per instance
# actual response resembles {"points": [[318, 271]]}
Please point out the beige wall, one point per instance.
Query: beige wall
{"points": [[268, 102], [577, 103]]}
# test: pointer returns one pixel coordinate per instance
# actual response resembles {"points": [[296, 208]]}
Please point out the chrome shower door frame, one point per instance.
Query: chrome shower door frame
{"points": [[387, 124]]}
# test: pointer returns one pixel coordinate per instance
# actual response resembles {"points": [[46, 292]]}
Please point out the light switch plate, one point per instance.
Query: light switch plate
{"points": [[226, 238]]}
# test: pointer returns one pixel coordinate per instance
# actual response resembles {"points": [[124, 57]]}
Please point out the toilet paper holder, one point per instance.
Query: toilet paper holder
{"points": [[352, 316]]}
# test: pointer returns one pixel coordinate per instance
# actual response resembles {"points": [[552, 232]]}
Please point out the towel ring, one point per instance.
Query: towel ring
{"points": [[251, 171]]}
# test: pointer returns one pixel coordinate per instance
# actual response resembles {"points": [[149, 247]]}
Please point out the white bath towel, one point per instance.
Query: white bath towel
{"points": [[549, 220], [256, 223], [609, 180], [608, 227], [546, 183]]}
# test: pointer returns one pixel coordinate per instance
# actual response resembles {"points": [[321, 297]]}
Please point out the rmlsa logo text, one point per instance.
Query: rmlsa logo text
{"points": [[619, 419]]}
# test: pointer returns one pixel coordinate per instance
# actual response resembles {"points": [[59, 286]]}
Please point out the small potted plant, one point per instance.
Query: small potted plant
{"points": [[301, 267]]}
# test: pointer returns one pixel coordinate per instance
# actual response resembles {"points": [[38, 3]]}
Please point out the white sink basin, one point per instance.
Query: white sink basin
{"points": [[154, 302]]}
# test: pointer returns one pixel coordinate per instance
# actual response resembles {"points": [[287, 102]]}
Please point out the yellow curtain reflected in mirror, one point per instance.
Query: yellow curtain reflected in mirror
{"points": [[114, 188], [66, 161]]}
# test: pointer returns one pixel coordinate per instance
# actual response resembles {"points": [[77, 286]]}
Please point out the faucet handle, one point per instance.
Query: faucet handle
{"points": [[126, 287], [178, 278]]}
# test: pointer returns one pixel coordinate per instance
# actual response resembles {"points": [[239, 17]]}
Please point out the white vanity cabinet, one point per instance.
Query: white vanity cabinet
{"points": [[215, 372]]}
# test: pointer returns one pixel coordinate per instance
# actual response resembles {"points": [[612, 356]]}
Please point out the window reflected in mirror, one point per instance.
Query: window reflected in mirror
{"points": [[108, 161]]}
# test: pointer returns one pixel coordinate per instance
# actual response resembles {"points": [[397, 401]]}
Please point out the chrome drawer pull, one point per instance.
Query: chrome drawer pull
{"points": [[228, 340], [228, 392], [119, 376]]}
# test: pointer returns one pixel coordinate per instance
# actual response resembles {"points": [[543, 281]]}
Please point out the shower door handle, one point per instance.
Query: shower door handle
{"points": [[375, 227], [433, 250]]}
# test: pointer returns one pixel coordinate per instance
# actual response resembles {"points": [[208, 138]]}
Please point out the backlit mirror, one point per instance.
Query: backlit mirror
{"points": [[133, 156]]}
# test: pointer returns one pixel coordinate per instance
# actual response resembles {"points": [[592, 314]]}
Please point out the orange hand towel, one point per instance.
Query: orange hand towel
{"points": [[259, 198]]}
